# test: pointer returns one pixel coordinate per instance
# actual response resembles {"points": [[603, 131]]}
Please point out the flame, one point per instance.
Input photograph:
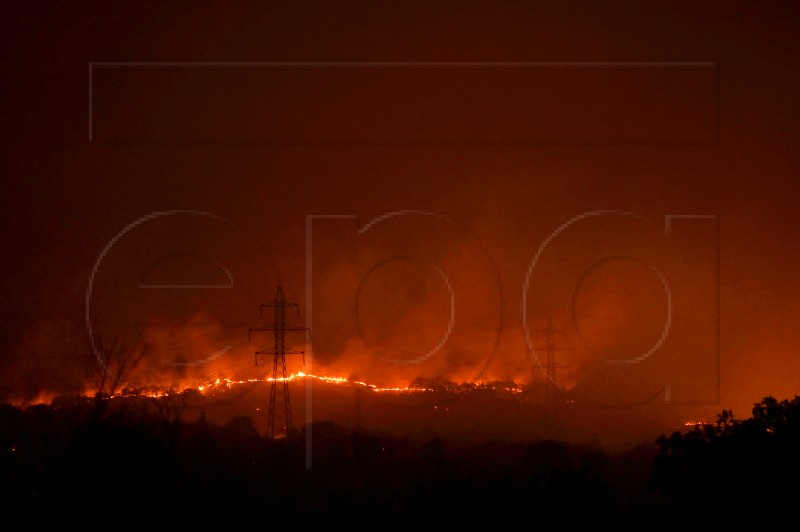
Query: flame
{"points": [[220, 384], [42, 398], [339, 380], [694, 423]]}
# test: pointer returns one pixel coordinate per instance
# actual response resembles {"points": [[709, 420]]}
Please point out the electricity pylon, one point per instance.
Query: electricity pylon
{"points": [[279, 421], [551, 390]]}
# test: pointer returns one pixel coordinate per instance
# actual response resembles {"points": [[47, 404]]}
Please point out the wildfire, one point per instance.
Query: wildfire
{"points": [[42, 398], [695, 423], [221, 384], [343, 380]]}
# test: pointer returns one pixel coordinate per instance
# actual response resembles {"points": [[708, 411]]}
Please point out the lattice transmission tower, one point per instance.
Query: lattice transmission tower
{"points": [[279, 420], [552, 391]]}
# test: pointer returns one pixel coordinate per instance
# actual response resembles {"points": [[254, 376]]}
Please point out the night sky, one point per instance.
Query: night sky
{"points": [[513, 162]]}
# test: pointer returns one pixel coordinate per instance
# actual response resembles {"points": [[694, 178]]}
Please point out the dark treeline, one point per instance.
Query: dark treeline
{"points": [[137, 464], [737, 470]]}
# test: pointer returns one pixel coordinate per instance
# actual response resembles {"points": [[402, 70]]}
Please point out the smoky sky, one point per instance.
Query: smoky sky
{"points": [[487, 126]]}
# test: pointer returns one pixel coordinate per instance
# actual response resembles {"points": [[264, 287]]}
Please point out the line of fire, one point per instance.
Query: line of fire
{"points": [[542, 404]]}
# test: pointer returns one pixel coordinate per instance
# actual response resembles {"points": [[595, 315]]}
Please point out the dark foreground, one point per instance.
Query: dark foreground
{"points": [[137, 465]]}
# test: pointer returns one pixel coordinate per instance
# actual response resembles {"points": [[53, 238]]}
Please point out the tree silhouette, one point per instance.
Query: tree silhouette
{"points": [[108, 367], [751, 464]]}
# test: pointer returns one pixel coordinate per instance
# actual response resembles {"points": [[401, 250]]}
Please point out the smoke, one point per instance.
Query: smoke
{"points": [[406, 296], [50, 359], [55, 357], [411, 295]]}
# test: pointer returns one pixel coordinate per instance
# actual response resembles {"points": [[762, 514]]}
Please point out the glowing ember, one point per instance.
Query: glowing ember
{"points": [[222, 384], [695, 423], [343, 380]]}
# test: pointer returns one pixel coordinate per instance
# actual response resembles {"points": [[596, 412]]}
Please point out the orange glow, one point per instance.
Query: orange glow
{"points": [[42, 398], [220, 384], [694, 423]]}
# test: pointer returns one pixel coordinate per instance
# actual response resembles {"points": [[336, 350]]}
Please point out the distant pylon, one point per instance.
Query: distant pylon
{"points": [[551, 390], [279, 420]]}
